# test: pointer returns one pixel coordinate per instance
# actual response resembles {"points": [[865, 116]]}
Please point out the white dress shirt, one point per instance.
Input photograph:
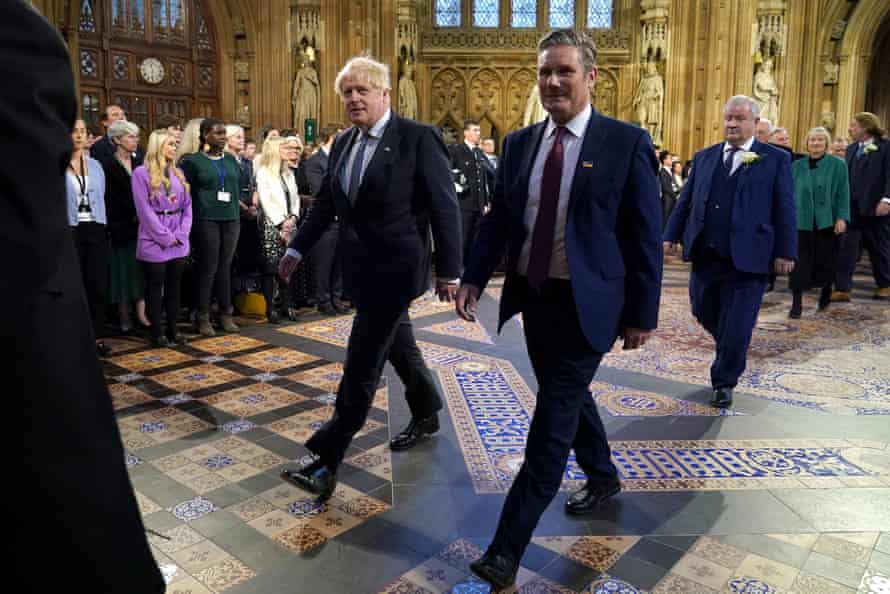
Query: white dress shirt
{"points": [[571, 143], [375, 133], [737, 156]]}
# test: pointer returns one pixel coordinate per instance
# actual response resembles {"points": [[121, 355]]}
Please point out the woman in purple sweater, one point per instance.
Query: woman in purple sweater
{"points": [[164, 209]]}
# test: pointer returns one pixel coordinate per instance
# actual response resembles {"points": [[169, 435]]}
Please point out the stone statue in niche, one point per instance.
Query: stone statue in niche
{"points": [[828, 121], [306, 97], [829, 76], [534, 111], [766, 92], [408, 92], [649, 102]]}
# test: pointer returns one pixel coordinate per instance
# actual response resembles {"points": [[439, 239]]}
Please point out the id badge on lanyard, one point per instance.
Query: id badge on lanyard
{"points": [[222, 195]]}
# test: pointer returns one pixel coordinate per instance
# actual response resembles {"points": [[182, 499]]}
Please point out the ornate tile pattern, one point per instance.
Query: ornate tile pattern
{"points": [[247, 401], [324, 377], [831, 363], [472, 331], [223, 345], [301, 426], [124, 396], [195, 378], [150, 359], [158, 426], [208, 467], [275, 359], [620, 401]]}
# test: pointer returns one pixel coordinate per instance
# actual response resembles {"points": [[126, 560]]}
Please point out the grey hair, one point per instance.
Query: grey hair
{"points": [[577, 39], [769, 124], [232, 129], [819, 131], [743, 100], [777, 130], [122, 128]]}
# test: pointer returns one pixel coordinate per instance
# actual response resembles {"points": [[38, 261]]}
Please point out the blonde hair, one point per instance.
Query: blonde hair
{"points": [[191, 139], [870, 122], [270, 158], [818, 131], [365, 68], [159, 167]]}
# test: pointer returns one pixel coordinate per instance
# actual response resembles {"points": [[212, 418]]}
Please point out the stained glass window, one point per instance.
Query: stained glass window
{"points": [[485, 13], [524, 13], [87, 18], [562, 14], [448, 13], [167, 18], [90, 109], [599, 14], [128, 17]]}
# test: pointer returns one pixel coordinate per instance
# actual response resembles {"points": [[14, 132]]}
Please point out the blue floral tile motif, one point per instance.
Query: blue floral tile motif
{"points": [[750, 586], [239, 426], [213, 359], [197, 377], [307, 507], [611, 586], [327, 399], [192, 509], [317, 425], [470, 587], [150, 359], [218, 462], [253, 398], [128, 377], [176, 399], [153, 427], [131, 460], [264, 377]]}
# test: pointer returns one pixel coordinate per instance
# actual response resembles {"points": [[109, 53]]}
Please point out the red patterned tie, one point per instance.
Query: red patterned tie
{"points": [[542, 236]]}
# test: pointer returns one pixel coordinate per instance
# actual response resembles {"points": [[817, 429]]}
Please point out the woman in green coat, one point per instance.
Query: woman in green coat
{"points": [[822, 198]]}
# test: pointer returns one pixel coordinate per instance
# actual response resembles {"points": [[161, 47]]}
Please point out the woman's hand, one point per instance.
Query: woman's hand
{"points": [[840, 226]]}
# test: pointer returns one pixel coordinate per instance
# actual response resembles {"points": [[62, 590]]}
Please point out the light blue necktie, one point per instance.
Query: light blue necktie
{"points": [[355, 176], [860, 151]]}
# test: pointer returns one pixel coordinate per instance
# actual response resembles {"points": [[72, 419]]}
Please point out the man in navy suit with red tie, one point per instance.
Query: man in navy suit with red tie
{"points": [[737, 222], [576, 207]]}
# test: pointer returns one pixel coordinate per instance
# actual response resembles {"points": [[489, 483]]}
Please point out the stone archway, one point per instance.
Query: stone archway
{"points": [[856, 56], [877, 92]]}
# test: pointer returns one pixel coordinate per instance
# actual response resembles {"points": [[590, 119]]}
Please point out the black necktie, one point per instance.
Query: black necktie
{"points": [[728, 157]]}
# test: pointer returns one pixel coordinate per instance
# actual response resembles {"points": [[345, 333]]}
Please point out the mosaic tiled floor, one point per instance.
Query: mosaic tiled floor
{"points": [[738, 564], [206, 438], [832, 361]]}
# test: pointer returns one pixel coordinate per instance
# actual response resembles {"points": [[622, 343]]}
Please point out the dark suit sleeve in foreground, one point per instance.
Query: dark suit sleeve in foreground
{"points": [[491, 242], [784, 212], [639, 236], [437, 183]]}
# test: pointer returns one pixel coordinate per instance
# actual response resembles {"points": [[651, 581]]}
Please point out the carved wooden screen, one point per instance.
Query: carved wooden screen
{"points": [[117, 37]]}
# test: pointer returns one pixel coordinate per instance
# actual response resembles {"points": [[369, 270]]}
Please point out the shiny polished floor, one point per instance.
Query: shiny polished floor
{"points": [[788, 492]]}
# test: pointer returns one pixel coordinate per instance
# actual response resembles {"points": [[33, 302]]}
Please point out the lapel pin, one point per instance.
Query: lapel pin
{"points": [[586, 164], [386, 149]]}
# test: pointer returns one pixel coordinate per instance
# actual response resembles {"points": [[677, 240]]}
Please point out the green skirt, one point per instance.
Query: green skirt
{"points": [[125, 274]]}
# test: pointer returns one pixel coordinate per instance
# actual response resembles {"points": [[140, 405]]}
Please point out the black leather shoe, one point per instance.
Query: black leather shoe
{"points": [[722, 398], [343, 307], [103, 350], [314, 477], [177, 339], [589, 497], [416, 429], [159, 342], [825, 298], [327, 309], [273, 317], [497, 570], [796, 311]]}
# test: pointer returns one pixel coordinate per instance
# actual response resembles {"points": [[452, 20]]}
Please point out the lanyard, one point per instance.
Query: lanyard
{"points": [[220, 170], [81, 180], [286, 193]]}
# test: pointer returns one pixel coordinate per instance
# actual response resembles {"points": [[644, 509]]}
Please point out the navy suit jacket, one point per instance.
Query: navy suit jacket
{"points": [[315, 168], [764, 220], [869, 177], [407, 189], [612, 230]]}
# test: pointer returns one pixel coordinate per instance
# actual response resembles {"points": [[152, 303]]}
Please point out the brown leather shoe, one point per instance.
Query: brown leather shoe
{"points": [[840, 297]]}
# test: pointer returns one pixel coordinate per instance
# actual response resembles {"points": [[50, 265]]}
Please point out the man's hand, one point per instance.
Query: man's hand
{"points": [[783, 266], [446, 289], [465, 304], [634, 338], [669, 247], [840, 226], [286, 266], [883, 209]]}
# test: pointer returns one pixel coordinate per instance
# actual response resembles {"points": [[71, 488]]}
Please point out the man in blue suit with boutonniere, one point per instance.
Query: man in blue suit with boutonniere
{"points": [[737, 223]]}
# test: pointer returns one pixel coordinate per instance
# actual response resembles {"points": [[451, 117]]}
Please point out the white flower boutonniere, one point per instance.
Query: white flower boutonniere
{"points": [[750, 157], [870, 148]]}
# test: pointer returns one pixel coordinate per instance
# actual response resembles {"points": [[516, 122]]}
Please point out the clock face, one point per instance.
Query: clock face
{"points": [[152, 70]]}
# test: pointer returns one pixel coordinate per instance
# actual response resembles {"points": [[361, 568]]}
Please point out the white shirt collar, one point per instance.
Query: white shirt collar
{"points": [[471, 146], [577, 125], [746, 146], [376, 131], [325, 150], [865, 143]]}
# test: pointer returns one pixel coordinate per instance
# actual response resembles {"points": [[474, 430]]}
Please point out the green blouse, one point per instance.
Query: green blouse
{"points": [[822, 194], [207, 177]]}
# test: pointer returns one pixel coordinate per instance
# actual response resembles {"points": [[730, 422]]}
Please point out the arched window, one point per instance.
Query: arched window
{"points": [[448, 13], [599, 14], [485, 13], [524, 13], [152, 57]]}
